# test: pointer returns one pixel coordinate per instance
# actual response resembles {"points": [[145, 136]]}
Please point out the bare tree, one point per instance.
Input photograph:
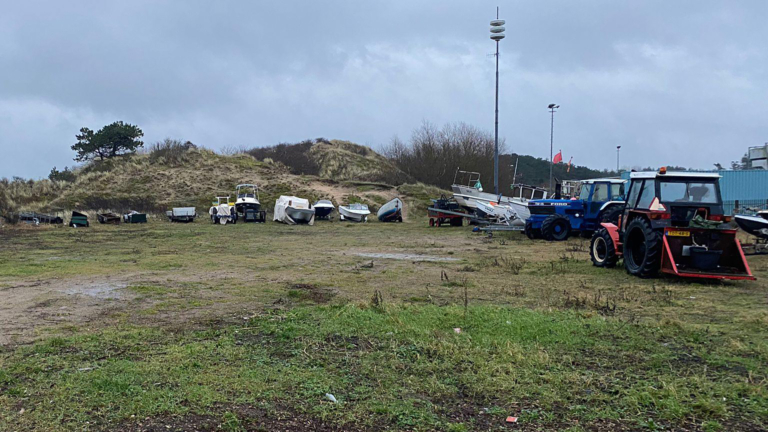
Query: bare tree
{"points": [[433, 155]]}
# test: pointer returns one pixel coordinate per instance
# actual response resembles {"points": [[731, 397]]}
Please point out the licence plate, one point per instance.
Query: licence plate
{"points": [[678, 233]]}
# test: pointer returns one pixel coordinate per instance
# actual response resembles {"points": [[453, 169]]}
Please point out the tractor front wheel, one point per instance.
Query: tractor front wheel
{"points": [[532, 233], [642, 249], [556, 228], [602, 251]]}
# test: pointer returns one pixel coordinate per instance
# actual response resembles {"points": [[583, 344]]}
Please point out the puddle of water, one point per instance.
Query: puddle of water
{"points": [[101, 291], [407, 257]]}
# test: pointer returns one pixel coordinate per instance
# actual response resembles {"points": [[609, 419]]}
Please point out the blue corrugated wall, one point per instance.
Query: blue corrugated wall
{"points": [[749, 187]]}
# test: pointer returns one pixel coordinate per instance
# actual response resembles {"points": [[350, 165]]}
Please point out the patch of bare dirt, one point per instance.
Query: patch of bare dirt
{"points": [[25, 306]]}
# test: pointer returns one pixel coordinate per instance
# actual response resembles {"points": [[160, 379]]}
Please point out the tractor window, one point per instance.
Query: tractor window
{"points": [[602, 190], [634, 191], [694, 192], [584, 194], [647, 194], [617, 192]]}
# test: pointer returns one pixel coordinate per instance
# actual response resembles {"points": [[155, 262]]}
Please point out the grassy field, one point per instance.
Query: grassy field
{"points": [[248, 327]]}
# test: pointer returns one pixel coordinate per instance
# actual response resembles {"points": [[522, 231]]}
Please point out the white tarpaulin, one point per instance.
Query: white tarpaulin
{"points": [[285, 202], [224, 211]]}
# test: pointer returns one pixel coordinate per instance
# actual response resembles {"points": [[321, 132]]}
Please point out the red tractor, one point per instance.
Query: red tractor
{"points": [[672, 222]]}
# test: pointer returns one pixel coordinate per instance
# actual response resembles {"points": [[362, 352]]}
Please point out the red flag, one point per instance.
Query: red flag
{"points": [[558, 157], [569, 165]]}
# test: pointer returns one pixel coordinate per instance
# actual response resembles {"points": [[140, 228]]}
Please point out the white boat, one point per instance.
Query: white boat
{"points": [[223, 211], [323, 209], [293, 211], [497, 213], [470, 194], [247, 203], [354, 212], [391, 211]]}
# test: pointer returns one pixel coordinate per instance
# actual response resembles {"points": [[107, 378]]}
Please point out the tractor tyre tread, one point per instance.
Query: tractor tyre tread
{"points": [[610, 259], [611, 214], [651, 263], [547, 228]]}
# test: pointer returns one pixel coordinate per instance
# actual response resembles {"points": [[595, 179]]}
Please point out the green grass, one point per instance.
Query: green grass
{"points": [[248, 326], [403, 367]]}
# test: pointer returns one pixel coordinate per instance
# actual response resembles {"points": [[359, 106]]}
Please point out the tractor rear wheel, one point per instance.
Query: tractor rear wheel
{"points": [[642, 248], [532, 233], [611, 214], [556, 228], [602, 251]]}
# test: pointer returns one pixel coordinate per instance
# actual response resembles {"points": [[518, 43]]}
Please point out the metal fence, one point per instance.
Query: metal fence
{"points": [[744, 206]]}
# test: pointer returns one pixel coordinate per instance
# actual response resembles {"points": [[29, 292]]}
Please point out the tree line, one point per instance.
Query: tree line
{"points": [[433, 156]]}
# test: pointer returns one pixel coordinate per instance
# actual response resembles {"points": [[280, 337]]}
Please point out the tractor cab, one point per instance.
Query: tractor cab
{"points": [[672, 222], [597, 200]]}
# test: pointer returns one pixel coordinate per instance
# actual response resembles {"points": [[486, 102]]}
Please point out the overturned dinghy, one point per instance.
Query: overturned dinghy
{"points": [[294, 211], [78, 220], [135, 217], [108, 218], [391, 211]]}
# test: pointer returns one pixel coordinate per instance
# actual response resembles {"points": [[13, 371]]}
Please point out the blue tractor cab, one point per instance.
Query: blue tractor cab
{"points": [[599, 200]]}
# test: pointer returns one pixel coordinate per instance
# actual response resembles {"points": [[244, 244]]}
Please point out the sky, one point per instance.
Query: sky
{"points": [[674, 83]]}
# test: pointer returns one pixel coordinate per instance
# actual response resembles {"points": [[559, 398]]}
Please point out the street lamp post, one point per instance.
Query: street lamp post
{"points": [[497, 34], [552, 108], [618, 149]]}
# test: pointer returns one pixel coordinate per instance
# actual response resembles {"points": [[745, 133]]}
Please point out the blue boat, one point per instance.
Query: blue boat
{"points": [[391, 211]]}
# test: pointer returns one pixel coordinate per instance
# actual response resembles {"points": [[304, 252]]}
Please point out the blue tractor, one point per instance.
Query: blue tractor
{"points": [[599, 200]]}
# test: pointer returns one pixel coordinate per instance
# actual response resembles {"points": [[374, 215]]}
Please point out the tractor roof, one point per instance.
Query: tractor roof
{"points": [[605, 180], [676, 174]]}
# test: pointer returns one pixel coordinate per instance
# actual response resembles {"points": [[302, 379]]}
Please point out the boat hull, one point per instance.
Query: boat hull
{"points": [[468, 197], [300, 216], [391, 211], [323, 212], [352, 215], [757, 226]]}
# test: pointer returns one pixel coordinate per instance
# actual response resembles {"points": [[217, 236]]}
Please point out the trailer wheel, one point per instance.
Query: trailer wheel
{"points": [[556, 228], [431, 222], [602, 251], [642, 249]]}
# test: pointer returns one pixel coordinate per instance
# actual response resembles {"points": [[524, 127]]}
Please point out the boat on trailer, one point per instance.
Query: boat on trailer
{"points": [[758, 227], [468, 191], [497, 213], [293, 210], [247, 203], [354, 212], [223, 211], [391, 211], [323, 209]]}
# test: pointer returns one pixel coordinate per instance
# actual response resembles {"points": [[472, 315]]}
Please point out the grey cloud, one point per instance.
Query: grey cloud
{"points": [[673, 82]]}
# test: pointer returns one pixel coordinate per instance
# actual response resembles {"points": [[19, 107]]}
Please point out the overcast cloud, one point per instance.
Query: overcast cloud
{"points": [[681, 83]]}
